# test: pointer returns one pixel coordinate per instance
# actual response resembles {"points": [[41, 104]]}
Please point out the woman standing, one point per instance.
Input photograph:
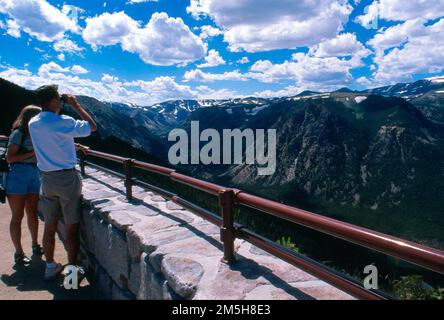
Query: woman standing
{"points": [[23, 184]]}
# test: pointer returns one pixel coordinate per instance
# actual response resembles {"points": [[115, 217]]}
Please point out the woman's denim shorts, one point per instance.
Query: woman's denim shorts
{"points": [[23, 179]]}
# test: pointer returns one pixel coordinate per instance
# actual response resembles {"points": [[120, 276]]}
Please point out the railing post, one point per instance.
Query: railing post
{"points": [[82, 158], [227, 232], [128, 166]]}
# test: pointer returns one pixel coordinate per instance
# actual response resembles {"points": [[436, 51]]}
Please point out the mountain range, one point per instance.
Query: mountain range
{"points": [[373, 158]]}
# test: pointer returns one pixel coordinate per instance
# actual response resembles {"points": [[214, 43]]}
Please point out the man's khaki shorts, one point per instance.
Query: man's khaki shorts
{"points": [[61, 196]]}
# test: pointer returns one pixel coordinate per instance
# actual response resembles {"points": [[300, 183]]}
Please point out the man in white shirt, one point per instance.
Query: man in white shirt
{"points": [[61, 189]]}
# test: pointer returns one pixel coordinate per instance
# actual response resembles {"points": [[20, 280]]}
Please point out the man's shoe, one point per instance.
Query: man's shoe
{"points": [[21, 259], [51, 272]]}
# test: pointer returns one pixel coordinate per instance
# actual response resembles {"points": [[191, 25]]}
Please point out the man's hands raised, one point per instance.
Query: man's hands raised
{"points": [[71, 100]]}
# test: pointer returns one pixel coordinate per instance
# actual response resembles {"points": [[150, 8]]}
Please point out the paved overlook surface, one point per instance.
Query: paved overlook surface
{"points": [[27, 283], [181, 245]]}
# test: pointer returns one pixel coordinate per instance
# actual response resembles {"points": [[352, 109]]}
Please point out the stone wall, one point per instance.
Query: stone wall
{"points": [[153, 249]]}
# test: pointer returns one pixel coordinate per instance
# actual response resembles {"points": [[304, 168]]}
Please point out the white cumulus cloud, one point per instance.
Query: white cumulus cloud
{"points": [[397, 35], [200, 76], [48, 70], [286, 92], [76, 69], [38, 18], [343, 45], [209, 93], [162, 41], [107, 78], [263, 25], [414, 49], [307, 71], [322, 68], [13, 29], [244, 60], [169, 88], [212, 60], [66, 45], [402, 10], [71, 79], [209, 32]]}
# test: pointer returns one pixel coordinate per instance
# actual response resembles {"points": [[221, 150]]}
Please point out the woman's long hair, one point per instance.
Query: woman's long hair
{"points": [[24, 117]]}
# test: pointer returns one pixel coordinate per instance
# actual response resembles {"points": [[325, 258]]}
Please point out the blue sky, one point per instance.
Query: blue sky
{"points": [[144, 52]]}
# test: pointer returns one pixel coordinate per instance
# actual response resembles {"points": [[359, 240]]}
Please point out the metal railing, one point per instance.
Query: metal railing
{"points": [[420, 255], [417, 254]]}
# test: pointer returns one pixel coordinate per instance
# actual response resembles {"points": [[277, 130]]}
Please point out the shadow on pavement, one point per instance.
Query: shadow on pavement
{"points": [[31, 278]]}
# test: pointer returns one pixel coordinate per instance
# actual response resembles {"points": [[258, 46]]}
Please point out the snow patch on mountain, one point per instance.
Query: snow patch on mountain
{"points": [[256, 110], [359, 99]]}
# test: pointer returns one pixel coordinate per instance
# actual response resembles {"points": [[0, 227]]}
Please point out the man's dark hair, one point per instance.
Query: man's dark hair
{"points": [[45, 94]]}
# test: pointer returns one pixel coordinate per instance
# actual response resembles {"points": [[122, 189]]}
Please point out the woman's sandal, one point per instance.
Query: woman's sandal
{"points": [[37, 250], [21, 259]]}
